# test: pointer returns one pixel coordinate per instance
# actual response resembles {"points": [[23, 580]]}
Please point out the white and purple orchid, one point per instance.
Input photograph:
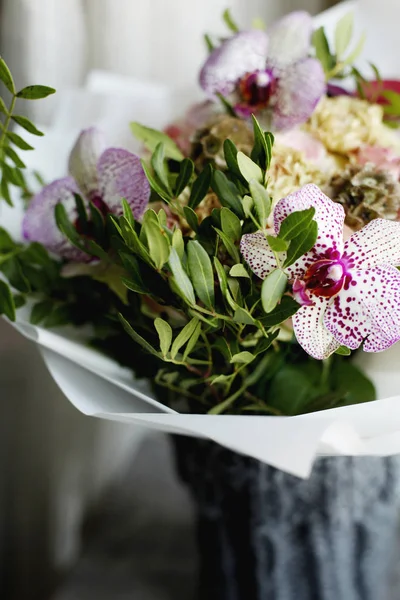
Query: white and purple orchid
{"points": [[349, 292], [100, 175], [270, 74]]}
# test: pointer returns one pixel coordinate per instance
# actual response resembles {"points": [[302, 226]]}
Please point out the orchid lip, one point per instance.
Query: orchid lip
{"points": [[327, 276], [256, 89]]}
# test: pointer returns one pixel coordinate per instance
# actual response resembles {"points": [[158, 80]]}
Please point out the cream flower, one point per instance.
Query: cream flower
{"points": [[290, 171], [344, 124]]}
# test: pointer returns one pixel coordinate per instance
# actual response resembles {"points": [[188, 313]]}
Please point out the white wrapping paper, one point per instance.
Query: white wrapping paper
{"points": [[97, 386]]}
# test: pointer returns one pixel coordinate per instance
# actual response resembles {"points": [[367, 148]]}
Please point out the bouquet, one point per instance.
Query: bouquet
{"points": [[251, 251]]}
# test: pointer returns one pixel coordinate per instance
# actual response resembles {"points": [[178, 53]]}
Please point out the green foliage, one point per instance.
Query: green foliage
{"points": [[337, 62], [11, 165]]}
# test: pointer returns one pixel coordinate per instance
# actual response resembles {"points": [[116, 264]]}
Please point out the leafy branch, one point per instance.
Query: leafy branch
{"points": [[11, 165]]}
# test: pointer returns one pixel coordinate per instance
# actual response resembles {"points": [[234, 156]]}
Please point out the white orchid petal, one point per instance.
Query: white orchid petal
{"points": [[375, 244], [257, 253], [369, 309], [290, 39], [84, 158], [310, 331]]}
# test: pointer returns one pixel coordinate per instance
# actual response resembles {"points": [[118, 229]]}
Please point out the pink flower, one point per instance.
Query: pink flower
{"points": [[270, 72], [102, 176], [349, 291], [385, 159], [304, 142]]}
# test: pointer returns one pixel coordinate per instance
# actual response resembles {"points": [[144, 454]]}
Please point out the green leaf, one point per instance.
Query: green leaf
{"points": [[227, 192], [249, 169], [27, 124], [352, 383], [181, 279], [230, 224], [272, 289], [65, 225], [40, 311], [127, 212], [302, 244], [19, 300], [5, 192], [230, 23], [164, 331], [186, 171], [229, 245], [157, 242], [352, 57], [191, 217], [208, 41], [248, 204], [277, 244], [3, 107], [35, 92], [6, 77], [97, 222], [285, 309], [13, 271], [160, 169], [343, 351], [201, 273], [243, 316], [178, 243], [6, 242], [222, 276], [151, 138], [136, 337], [12, 155], [243, 358], [132, 240], [239, 271], [262, 149], [184, 336], [192, 341], [201, 187], [82, 214], [262, 202], [343, 34], [155, 185], [7, 306], [295, 223], [230, 153], [18, 141], [322, 51]]}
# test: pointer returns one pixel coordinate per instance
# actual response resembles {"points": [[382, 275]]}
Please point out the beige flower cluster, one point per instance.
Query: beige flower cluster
{"points": [[344, 124]]}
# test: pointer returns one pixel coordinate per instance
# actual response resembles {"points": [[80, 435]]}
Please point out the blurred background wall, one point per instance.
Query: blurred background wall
{"points": [[54, 461]]}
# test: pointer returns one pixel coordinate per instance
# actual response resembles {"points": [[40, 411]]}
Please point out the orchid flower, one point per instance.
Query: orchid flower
{"points": [[269, 73], [102, 176], [349, 292]]}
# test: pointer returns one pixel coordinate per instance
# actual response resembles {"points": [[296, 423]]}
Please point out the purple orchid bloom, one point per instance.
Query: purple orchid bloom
{"points": [[100, 175], [269, 74], [349, 292]]}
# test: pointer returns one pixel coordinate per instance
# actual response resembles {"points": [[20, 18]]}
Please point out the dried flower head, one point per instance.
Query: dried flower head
{"points": [[208, 142], [366, 193]]}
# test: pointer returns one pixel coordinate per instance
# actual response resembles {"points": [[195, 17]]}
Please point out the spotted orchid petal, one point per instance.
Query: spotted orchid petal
{"points": [[329, 217], [290, 39], [243, 53], [121, 175], [83, 161], [298, 91], [257, 254], [311, 333], [376, 244], [368, 310], [39, 224]]}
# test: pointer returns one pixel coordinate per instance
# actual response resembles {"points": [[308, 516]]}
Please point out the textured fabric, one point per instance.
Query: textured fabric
{"points": [[266, 535]]}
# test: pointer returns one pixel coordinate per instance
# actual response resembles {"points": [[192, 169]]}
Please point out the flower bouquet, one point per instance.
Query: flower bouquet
{"points": [[236, 268]]}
